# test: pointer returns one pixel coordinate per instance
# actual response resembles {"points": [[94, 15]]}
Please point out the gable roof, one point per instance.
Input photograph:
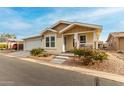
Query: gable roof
{"points": [[32, 37], [71, 24], [115, 34]]}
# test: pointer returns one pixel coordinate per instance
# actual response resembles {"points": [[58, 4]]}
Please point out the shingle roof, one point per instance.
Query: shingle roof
{"points": [[117, 34], [31, 37]]}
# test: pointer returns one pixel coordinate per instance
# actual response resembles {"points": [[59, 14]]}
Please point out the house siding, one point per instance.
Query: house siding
{"points": [[121, 43], [60, 26], [116, 43], [58, 43], [77, 29], [89, 37]]}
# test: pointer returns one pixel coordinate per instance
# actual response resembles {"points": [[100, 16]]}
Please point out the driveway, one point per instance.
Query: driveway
{"points": [[19, 53], [18, 72]]}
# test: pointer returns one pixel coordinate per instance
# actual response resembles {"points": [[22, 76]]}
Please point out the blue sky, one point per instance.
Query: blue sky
{"points": [[26, 22]]}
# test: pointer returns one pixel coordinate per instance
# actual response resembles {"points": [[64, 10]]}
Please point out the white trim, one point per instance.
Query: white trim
{"points": [[79, 32], [48, 29], [50, 41], [63, 43], [83, 35], [76, 39], [95, 45], [52, 30], [80, 24], [88, 25], [57, 23], [66, 28]]}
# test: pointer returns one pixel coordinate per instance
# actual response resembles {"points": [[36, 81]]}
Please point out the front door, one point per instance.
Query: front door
{"points": [[69, 42]]}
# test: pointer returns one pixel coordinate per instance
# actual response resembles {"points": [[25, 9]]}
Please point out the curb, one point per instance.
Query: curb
{"points": [[105, 75]]}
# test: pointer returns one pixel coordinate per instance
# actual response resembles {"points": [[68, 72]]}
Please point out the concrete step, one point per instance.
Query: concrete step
{"points": [[62, 57], [67, 54], [58, 61]]}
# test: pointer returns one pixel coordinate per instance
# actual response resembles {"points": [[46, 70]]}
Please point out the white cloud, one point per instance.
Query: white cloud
{"points": [[79, 15], [15, 25], [13, 21], [102, 12]]}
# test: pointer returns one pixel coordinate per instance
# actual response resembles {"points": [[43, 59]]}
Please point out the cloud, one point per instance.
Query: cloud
{"points": [[78, 15], [15, 25], [102, 12], [13, 21]]}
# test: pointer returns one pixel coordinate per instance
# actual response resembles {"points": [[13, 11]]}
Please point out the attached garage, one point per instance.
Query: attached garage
{"points": [[32, 42]]}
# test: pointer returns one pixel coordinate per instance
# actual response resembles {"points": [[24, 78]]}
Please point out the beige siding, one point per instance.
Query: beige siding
{"points": [[58, 43], [89, 37], [121, 43], [60, 26], [77, 29]]}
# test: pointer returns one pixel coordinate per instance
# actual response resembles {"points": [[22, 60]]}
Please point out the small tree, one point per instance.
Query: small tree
{"points": [[7, 35]]}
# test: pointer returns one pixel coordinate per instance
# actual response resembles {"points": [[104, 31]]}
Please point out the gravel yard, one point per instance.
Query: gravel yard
{"points": [[114, 64]]}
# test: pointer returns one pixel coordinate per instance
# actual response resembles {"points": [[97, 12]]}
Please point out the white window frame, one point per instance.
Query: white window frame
{"points": [[50, 41], [85, 36]]}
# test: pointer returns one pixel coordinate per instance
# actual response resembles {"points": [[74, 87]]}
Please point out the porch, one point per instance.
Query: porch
{"points": [[79, 40]]}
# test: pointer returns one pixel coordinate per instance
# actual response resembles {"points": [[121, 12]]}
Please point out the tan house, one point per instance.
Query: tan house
{"points": [[116, 41], [63, 36]]}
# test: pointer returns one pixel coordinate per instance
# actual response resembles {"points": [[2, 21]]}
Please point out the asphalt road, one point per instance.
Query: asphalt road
{"points": [[17, 72]]}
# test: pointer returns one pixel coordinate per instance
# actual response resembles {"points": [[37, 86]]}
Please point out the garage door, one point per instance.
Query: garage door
{"points": [[32, 43], [122, 43]]}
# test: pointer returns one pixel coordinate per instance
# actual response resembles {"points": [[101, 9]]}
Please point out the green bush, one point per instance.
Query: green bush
{"points": [[90, 55], [43, 55], [37, 51], [99, 55], [79, 52]]}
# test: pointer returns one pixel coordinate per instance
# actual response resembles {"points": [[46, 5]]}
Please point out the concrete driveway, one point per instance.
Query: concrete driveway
{"points": [[18, 72], [19, 53]]}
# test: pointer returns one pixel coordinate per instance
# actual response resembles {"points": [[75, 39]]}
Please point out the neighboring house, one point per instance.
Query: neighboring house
{"points": [[63, 36], [15, 44], [32, 42], [3, 43], [9, 43], [116, 41]]}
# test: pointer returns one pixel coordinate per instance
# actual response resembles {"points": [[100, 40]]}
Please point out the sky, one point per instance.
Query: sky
{"points": [[25, 22]]}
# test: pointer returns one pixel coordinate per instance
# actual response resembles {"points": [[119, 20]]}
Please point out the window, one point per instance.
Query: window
{"points": [[50, 41], [47, 41], [83, 39]]}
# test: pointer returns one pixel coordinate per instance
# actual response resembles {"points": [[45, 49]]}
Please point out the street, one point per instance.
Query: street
{"points": [[22, 73]]}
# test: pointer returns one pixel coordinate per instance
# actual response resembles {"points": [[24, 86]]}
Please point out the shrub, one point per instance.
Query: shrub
{"points": [[99, 55], [43, 55], [89, 55], [79, 52], [37, 51]]}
